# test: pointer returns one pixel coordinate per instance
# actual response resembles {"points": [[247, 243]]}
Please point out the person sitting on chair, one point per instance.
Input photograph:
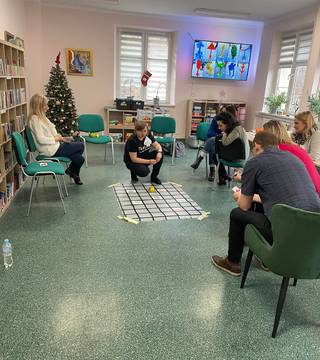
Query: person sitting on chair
{"points": [[277, 177], [233, 146], [48, 142], [209, 147], [142, 150]]}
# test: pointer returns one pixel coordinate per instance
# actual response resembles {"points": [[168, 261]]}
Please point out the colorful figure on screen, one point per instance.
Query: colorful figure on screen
{"points": [[242, 69], [209, 68], [198, 66], [223, 47], [212, 47], [231, 68], [244, 51], [199, 46], [220, 65], [234, 51]]}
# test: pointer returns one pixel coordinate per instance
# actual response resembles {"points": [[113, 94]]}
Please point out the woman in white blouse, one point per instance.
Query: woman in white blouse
{"points": [[307, 134], [48, 142]]}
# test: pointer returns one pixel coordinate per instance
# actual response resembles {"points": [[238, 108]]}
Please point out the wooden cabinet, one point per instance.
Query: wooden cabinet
{"points": [[13, 116]]}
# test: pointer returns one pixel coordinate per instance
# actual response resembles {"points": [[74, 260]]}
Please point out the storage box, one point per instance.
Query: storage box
{"points": [[123, 104], [137, 104]]}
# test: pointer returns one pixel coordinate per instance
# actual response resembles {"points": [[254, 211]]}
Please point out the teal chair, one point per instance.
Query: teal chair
{"points": [[164, 125], [32, 148], [239, 164], [37, 169], [295, 252], [202, 132], [92, 123]]}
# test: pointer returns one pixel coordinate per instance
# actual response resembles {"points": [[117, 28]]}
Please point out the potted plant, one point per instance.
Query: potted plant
{"points": [[274, 102], [314, 105]]}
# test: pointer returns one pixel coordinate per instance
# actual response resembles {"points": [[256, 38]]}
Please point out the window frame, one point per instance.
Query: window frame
{"points": [[295, 64], [145, 34]]}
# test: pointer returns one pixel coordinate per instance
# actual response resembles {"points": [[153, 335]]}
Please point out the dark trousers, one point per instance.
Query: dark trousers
{"points": [[232, 152], [239, 219], [142, 170], [74, 151]]}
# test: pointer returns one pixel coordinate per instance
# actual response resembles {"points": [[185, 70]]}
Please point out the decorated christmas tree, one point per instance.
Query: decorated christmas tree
{"points": [[62, 111]]}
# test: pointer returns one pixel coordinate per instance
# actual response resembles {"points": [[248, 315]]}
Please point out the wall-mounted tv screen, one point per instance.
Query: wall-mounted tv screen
{"points": [[221, 60]]}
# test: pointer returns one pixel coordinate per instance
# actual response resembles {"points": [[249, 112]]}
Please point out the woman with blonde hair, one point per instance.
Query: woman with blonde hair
{"points": [[307, 134], [48, 142], [286, 144]]}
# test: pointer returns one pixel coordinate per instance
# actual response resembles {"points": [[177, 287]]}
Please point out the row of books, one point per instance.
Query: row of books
{"points": [[9, 190], [9, 98], [9, 128], [13, 68], [2, 200]]}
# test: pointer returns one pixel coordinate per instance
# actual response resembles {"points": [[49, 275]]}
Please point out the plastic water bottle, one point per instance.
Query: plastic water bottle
{"points": [[7, 253]]}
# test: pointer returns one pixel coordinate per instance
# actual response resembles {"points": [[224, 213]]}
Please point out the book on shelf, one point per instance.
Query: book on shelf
{"points": [[12, 97], [2, 200], [2, 70], [7, 131], [20, 123], [9, 190]]}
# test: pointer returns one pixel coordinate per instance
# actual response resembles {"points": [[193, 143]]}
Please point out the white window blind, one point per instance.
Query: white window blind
{"points": [[140, 51], [293, 60]]}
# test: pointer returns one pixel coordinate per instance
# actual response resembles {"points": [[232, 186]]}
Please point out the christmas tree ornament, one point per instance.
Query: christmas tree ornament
{"points": [[145, 77]]}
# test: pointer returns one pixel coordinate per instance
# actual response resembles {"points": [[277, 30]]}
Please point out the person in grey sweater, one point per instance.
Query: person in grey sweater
{"points": [[232, 146]]}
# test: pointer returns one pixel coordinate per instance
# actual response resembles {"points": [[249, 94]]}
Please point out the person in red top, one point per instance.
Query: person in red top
{"points": [[286, 144]]}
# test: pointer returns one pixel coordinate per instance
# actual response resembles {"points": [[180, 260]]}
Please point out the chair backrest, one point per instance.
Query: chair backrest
{"points": [[30, 141], [202, 131], [163, 125], [296, 243], [90, 123], [20, 148]]}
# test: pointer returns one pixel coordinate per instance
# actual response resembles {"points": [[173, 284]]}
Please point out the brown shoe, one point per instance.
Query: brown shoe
{"points": [[224, 264]]}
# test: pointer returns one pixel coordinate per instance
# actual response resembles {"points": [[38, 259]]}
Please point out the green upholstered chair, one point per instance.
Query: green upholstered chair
{"points": [[92, 123], [162, 126], [295, 252], [32, 148], [37, 169], [239, 164], [202, 132]]}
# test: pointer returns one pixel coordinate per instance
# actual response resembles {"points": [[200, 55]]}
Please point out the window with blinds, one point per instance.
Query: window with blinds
{"points": [[293, 60], [139, 51]]}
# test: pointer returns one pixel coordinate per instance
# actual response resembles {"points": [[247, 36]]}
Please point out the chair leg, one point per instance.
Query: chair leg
{"points": [[246, 268], [112, 151], [295, 282], [229, 177], [282, 297], [105, 152], [31, 192], [37, 182], [173, 151], [65, 185], [85, 153], [60, 193], [207, 166]]}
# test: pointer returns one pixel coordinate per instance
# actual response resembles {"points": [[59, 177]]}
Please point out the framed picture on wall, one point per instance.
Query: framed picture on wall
{"points": [[79, 62]]}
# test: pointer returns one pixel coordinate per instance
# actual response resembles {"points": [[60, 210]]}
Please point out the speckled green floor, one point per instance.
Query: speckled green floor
{"points": [[87, 286]]}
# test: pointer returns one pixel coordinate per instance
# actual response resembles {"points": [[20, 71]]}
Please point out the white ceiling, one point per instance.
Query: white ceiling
{"points": [[259, 9]]}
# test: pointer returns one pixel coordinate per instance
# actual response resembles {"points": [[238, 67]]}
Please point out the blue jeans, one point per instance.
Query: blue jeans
{"points": [[74, 151], [210, 149]]}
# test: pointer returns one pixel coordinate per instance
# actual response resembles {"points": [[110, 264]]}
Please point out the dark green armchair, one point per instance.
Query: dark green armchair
{"points": [[295, 252]]}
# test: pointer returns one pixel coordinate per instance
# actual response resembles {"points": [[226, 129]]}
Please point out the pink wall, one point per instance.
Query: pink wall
{"points": [[12, 18], [62, 28]]}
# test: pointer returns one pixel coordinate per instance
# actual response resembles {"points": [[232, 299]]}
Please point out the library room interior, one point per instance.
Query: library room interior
{"points": [[160, 179]]}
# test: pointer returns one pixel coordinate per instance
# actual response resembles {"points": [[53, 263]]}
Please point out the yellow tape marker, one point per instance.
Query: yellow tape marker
{"points": [[129, 220], [173, 183], [204, 215], [112, 185]]}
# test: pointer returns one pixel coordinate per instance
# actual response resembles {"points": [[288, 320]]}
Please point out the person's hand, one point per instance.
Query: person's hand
{"points": [[67, 140], [153, 161], [237, 176], [58, 138], [159, 156], [236, 195]]}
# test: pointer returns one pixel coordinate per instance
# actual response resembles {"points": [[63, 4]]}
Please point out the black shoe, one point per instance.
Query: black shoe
{"points": [[156, 180], [77, 180], [196, 164], [134, 179], [222, 181], [211, 174]]}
